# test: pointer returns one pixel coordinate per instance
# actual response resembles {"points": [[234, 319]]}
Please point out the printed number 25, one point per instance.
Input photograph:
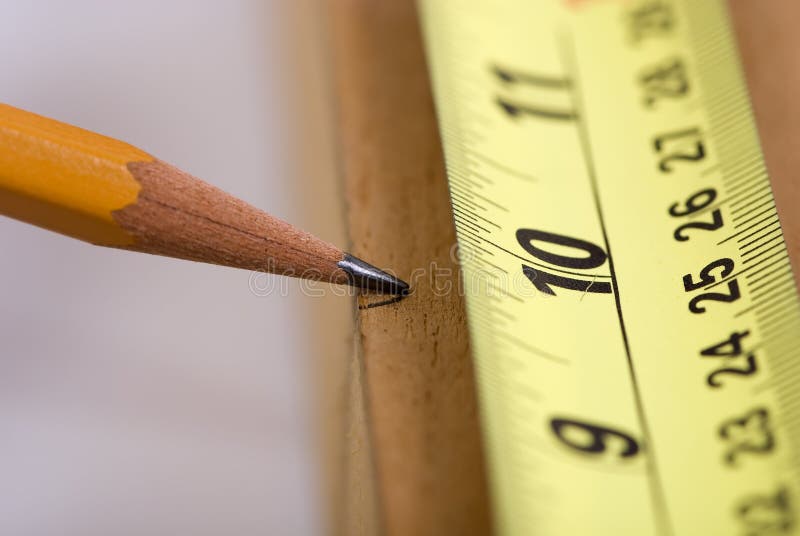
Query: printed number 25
{"points": [[707, 278]]}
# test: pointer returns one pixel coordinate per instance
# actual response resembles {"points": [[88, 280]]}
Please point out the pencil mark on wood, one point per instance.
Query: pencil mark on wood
{"points": [[390, 301]]}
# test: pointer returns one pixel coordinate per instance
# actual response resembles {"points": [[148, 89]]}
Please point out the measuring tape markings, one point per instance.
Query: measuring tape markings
{"points": [[761, 248], [758, 445], [772, 289], [503, 371]]}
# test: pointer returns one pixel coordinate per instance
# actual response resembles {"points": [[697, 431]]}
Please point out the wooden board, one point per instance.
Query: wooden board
{"points": [[417, 375], [419, 415]]}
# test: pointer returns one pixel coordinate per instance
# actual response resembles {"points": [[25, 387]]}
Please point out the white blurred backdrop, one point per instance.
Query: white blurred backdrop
{"points": [[141, 395]]}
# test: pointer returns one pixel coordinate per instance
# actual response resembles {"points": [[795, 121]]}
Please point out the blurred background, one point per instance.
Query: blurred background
{"points": [[142, 395]]}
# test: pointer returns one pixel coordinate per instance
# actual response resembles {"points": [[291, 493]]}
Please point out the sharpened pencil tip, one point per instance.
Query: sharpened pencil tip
{"points": [[366, 276]]}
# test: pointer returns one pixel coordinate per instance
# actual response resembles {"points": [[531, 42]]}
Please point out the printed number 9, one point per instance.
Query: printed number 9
{"points": [[593, 439]]}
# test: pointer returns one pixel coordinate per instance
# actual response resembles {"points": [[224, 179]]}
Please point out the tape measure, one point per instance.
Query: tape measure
{"points": [[631, 305]]}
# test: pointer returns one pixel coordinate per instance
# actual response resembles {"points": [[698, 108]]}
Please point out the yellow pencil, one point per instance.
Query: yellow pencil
{"points": [[109, 193]]}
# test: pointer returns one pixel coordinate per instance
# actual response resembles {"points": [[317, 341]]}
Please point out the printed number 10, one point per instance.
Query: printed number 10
{"points": [[544, 281]]}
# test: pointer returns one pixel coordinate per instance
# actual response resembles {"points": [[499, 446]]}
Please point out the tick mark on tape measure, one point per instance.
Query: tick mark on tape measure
{"points": [[752, 201], [784, 257], [779, 244], [783, 269], [759, 222], [745, 271], [761, 241], [467, 212], [788, 310], [502, 167], [532, 349], [783, 281], [479, 196], [487, 263], [709, 170], [760, 229], [772, 207]]}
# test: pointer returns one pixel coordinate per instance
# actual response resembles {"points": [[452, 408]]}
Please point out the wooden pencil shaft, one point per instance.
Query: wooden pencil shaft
{"points": [[179, 216], [109, 193]]}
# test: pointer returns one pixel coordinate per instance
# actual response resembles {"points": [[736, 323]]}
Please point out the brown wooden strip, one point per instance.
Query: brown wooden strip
{"points": [[180, 216], [418, 378]]}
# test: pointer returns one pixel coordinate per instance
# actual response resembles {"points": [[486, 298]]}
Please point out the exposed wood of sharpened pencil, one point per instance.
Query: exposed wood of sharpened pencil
{"points": [[177, 215], [109, 193]]}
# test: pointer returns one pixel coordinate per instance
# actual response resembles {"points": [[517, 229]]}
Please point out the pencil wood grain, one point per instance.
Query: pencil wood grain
{"points": [[180, 216]]}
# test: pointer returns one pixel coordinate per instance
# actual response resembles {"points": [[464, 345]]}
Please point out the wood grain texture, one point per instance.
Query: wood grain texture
{"points": [[180, 216], [417, 375]]}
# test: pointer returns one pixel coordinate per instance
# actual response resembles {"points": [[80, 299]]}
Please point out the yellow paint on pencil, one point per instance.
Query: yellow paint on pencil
{"points": [[64, 178]]}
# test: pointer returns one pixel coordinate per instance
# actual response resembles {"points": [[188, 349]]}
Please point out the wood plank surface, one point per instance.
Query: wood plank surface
{"points": [[417, 376]]}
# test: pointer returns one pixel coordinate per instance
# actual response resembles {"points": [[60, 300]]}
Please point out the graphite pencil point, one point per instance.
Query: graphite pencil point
{"points": [[368, 277]]}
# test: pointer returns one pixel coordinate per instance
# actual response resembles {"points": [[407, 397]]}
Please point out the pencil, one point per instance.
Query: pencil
{"points": [[107, 192]]}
